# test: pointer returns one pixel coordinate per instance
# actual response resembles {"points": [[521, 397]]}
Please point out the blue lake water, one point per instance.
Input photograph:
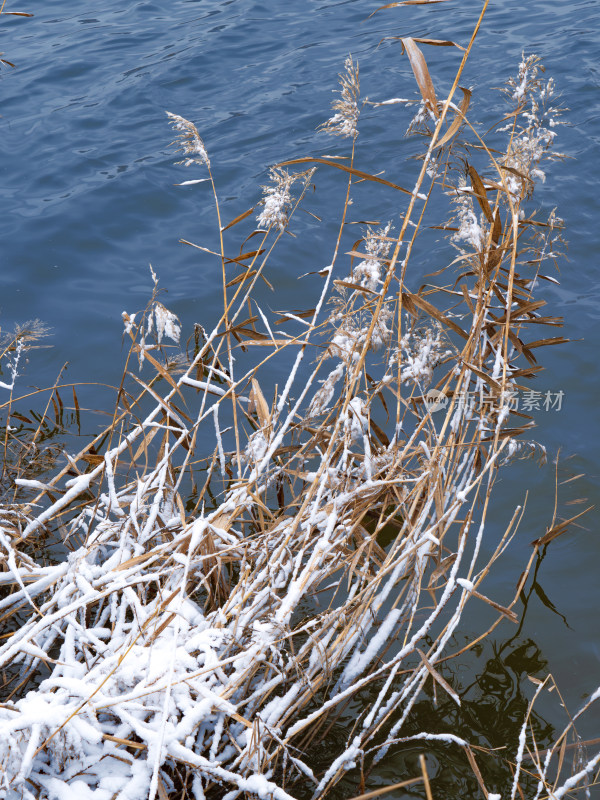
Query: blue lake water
{"points": [[87, 201]]}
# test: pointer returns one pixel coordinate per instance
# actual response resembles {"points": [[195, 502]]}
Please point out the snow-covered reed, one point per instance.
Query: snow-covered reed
{"points": [[222, 603]]}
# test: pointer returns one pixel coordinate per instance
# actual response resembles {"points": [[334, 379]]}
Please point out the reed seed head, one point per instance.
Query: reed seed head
{"points": [[189, 141], [344, 121], [277, 201]]}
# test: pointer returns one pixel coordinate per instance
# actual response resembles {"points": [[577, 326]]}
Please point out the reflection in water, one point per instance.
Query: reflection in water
{"points": [[493, 682]]}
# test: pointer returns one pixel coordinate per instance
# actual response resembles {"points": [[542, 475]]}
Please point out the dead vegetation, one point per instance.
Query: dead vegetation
{"points": [[244, 561]]}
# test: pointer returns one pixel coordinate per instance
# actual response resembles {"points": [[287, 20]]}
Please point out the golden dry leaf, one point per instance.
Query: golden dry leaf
{"points": [[559, 529], [419, 67], [410, 300], [355, 287], [504, 611], [480, 193], [438, 678], [442, 569], [458, 118], [257, 400], [248, 274], [351, 170], [407, 3], [497, 229], [237, 219]]}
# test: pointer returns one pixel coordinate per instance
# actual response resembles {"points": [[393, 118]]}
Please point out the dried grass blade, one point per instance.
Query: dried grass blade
{"points": [[549, 341], [351, 170], [244, 275], [237, 219], [506, 612], [163, 373], [559, 529], [483, 375], [244, 256], [437, 677], [437, 42], [419, 67], [480, 193], [411, 300], [355, 287], [241, 331], [476, 770], [497, 228], [394, 786], [258, 402], [442, 569], [459, 117], [406, 3], [380, 434]]}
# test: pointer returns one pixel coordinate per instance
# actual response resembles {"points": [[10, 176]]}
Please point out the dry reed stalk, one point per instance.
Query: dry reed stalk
{"points": [[216, 613]]}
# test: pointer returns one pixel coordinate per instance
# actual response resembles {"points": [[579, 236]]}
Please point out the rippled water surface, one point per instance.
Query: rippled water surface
{"points": [[88, 202]]}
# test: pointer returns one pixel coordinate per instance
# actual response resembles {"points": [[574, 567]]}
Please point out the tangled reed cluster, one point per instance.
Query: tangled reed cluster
{"points": [[213, 616]]}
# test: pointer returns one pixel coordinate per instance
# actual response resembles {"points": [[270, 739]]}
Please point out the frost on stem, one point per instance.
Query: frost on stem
{"points": [[345, 119], [189, 141]]}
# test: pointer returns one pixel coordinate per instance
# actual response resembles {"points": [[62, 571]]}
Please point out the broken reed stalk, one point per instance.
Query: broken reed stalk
{"points": [[216, 615]]}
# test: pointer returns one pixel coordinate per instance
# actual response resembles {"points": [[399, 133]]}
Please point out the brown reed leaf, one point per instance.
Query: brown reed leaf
{"points": [[497, 227], [421, 73], [411, 300], [442, 569], [438, 678], [506, 612], [476, 771], [241, 332], [237, 219], [393, 786], [350, 170], [240, 278], [558, 530], [437, 42], [480, 193], [406, 3], [550, 341], [380, 434], [259, 404], [459, 118], [355, 287], [244, 256], [288, 315]]}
